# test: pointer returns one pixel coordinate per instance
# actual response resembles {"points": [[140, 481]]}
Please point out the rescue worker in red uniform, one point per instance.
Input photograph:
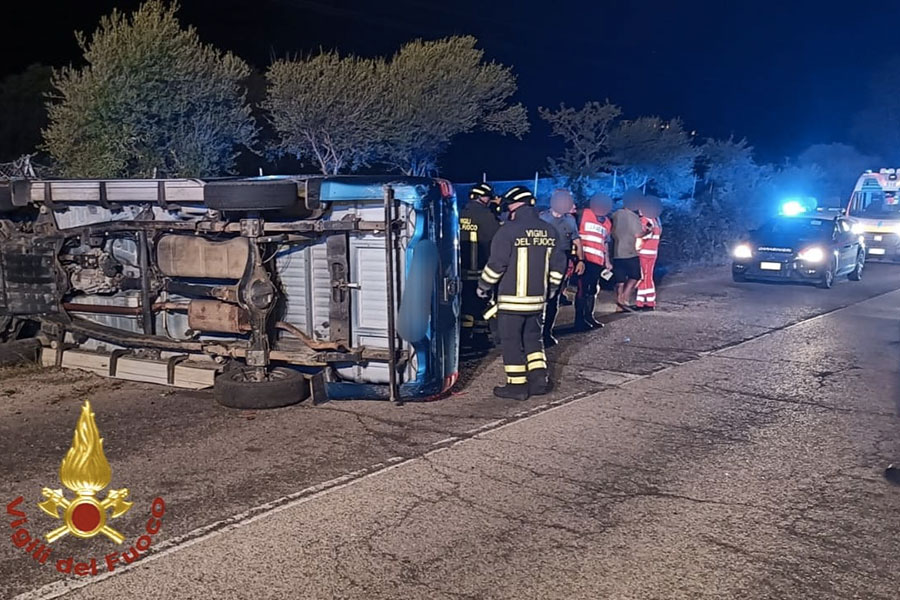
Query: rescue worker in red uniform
{"points": [[478, 223], [650, 209], [594, 229], [526, 265]]}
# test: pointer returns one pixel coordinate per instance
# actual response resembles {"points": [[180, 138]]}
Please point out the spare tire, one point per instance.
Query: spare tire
{"points": [[250, 195], [282, 387], [20, 351]]}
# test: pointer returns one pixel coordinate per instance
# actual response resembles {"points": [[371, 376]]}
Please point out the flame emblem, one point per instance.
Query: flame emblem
{"points": [[85, 471]]}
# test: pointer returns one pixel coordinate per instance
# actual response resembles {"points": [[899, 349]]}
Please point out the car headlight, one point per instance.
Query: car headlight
{"points": [[858, 229], [897, 229], [743, 251], [813, 255]]}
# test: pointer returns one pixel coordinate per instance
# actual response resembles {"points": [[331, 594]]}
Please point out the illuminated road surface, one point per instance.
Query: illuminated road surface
{"points": [[728, 446]]}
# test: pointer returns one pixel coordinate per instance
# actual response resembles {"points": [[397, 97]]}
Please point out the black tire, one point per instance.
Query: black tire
{"points": [[827, 281], [738, 277], [250, 195], [19, 352], [284, 387], [857, 272]]}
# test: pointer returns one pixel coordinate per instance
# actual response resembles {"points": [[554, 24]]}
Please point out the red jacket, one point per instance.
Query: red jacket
{"points": [[594, 232], [652, 231]]}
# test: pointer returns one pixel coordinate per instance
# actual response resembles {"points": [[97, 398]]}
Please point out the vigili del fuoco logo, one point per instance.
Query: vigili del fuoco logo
{"points": [[86, 473]]}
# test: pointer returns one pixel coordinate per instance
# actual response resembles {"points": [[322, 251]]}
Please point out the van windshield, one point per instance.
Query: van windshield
{"points": [[876, 205]]}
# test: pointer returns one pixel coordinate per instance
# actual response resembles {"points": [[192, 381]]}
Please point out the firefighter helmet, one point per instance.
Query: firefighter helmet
{"points": [[518, 194], [481, 189]]}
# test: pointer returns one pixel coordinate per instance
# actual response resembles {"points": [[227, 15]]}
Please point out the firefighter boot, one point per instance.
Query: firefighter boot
{"points": [[892, 474], [589, 313], [514, 391], [539, 383]]}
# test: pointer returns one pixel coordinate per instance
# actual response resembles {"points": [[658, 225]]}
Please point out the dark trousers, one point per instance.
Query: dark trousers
{"points": [[588, 286], [553, 307], [523, 348], [475, 329]]}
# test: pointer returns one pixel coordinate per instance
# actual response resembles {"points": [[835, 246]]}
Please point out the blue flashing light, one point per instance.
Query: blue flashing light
{"points": [[792, 208]]}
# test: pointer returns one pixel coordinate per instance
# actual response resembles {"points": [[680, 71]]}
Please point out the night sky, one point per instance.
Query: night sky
{"points": [[783, 74]]}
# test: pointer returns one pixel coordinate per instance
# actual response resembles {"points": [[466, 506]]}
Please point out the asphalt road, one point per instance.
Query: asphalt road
{"points": [[729, 445]]}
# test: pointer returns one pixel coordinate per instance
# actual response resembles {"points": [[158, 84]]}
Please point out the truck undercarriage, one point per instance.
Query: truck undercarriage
{"points": [[172, 270]]}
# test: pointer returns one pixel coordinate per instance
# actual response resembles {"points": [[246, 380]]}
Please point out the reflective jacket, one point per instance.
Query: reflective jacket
{"points": [[527, 262], [477, 226], [650, 240], [595, 232]]}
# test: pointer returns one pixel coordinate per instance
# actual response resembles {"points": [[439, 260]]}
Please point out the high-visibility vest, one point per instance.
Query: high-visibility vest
{"points": [[594, 232], [650, 239]]}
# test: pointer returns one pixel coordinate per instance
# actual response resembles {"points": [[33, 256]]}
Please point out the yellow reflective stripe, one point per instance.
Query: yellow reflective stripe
{"points": [[492, 272], [521, 307], [489, 313], [473, 248], [514, 368], [537, 364], [536, 356], [490, 275], [521, 271], [517, 380], [520, 299], [546, 268]]}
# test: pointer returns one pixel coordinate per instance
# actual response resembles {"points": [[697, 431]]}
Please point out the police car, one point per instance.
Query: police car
{"points": [[797, 246]]}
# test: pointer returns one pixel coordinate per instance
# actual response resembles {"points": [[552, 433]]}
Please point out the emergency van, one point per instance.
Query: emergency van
{"points": [[874, 211]]}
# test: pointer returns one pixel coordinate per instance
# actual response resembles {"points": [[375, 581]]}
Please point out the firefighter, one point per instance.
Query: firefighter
{"points": [[478, 223], [594, 229], [526, 264], [562, 203], [650, 209]]}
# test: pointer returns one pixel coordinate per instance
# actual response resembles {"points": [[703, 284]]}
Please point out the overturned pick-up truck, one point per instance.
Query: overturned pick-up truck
{"points": [[268, 289]]}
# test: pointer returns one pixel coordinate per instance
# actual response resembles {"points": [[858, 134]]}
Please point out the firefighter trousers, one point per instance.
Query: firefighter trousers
{"points": [[646, 291], [475, 328], [523, 348]]}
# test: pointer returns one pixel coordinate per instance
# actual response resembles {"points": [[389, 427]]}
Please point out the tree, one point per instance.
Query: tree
{"points": [[585, 132], [437, 90], [651, 152], [22, 100], [328, 109], [841, 165], [151, 99], [734, 184]]}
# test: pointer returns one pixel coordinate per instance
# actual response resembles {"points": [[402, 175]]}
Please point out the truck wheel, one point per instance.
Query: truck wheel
{"points": [[282, 387], [250, 195], [738, 277], [20, 351], [856, 273]]}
